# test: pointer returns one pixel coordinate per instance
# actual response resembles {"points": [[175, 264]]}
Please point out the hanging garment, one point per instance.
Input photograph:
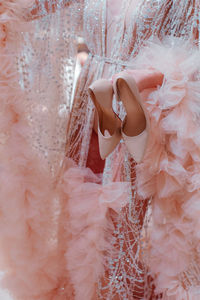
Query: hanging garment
{"points": [[98, 236]]}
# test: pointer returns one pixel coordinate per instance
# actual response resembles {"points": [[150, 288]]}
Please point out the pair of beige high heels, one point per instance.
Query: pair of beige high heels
{"points": [[134, 129]]}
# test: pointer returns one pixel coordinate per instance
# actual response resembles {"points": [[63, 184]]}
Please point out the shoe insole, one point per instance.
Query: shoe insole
{"points": [[107, 119], [135, 120]]}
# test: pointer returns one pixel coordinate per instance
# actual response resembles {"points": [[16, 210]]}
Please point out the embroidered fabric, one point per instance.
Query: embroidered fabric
{"points": [[111, 51], [46, 67]]}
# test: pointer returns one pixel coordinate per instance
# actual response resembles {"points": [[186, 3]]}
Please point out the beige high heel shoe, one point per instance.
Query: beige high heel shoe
{"points": [[109, 125], [135, 127]]}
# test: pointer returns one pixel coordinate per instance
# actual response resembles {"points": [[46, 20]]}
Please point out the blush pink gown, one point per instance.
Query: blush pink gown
{"points": [[67, 232]]}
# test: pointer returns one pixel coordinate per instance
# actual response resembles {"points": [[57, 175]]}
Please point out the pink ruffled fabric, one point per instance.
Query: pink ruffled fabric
{"points": [[172, 168], [38, 262], [53, 235], [88, 209], [31, 251]]}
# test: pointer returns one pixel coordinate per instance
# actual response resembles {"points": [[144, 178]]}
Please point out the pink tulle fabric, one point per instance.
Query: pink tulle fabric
{"points": [[49, 256], [53, 235], [30, 256], [172, 167], [90, 227]]}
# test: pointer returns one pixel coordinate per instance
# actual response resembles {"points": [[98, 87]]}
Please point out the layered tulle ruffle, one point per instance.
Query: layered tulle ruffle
{"points": [[90, 226], [170, 171], [37, 216], [31, 255]]}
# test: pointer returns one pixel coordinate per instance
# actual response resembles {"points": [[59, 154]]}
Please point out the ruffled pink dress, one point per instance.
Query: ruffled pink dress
{"points": [[71, 233]]}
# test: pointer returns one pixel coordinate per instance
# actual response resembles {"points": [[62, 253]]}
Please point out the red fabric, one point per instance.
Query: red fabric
{"points": [[94, 161]]}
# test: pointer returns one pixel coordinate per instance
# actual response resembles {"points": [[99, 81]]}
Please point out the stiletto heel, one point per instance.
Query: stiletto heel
{"points": [[136, 145], [109, 134], [136, 136]]}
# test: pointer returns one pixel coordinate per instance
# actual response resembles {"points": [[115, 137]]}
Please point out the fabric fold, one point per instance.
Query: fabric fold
{"points": [[91, 228], [172, 167]]}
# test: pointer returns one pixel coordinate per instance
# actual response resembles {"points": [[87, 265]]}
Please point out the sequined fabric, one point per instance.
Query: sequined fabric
{"points": [[113, 44]]}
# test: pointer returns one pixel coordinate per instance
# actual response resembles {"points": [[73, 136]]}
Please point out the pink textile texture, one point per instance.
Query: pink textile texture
{"points": [[172, 167], [31, 258], [32, 241], [88, 205], [44, 253]]}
